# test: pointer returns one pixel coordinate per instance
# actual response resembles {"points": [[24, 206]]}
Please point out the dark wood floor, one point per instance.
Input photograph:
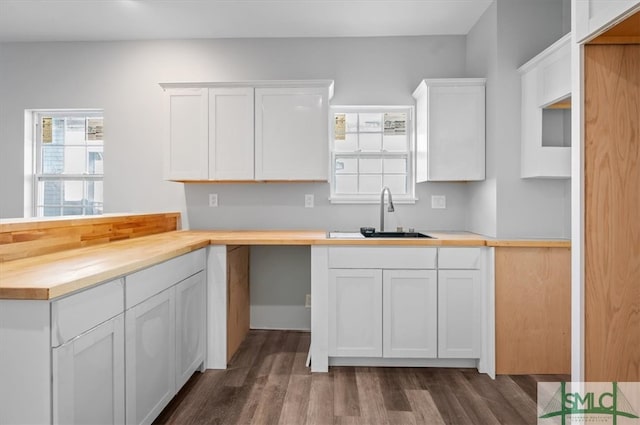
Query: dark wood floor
{"points": [[267, 383]]}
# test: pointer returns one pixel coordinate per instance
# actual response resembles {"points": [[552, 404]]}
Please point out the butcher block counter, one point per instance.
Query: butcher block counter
{"points": [[49, 276]]}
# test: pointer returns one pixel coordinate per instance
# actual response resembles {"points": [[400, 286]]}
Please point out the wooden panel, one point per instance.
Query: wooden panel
{"points": [[30, 238], [626, 32], [54, 275], [612, 212], [533, 310], [238, 303]]}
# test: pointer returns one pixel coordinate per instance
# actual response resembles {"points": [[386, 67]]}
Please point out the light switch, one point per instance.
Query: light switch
{"points": [[438, 201], [213, 199]]}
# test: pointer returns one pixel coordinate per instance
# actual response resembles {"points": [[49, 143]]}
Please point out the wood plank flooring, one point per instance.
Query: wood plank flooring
{"points": [[267, 383]]}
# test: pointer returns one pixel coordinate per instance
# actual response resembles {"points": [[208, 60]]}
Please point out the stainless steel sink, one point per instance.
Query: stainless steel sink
{"points": [[374, 234]]}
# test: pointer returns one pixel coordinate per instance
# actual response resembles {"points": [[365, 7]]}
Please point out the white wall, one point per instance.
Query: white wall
{"points": [[516, 31], [122, 78]]}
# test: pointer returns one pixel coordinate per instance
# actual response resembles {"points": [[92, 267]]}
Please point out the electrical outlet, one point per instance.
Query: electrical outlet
{"points": [[438, 201], [308, 201], [213, 199], [307, 301]]}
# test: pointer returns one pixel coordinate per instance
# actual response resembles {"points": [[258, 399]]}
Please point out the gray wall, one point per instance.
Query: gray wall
{"points": [[509, 34], [122, 78]]}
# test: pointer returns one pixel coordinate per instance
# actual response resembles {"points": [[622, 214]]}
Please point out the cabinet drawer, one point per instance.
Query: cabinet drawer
{"points": [[155, 279], [76, 314], [398, 257], [459, 258]]}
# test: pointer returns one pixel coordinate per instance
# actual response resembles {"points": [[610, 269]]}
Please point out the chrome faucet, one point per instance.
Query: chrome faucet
{"points": [[390, 209]]}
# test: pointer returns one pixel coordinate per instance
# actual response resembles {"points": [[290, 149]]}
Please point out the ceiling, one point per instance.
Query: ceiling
{"points": [[96, 20]]}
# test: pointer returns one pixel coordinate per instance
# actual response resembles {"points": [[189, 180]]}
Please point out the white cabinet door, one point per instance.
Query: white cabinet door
{"points": [[190, 326], [150, 356], [186, 156], [292, 133], [231, 133], [450, 123], [459, 314], [410, 313], [355, 312], [88, 376], [545, 129], [594, 16]]}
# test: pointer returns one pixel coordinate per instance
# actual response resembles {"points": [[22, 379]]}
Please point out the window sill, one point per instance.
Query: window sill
{"points": [[376, 200]]}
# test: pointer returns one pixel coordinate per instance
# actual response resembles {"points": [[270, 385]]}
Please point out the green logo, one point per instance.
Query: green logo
{"points": [[609, 403]]}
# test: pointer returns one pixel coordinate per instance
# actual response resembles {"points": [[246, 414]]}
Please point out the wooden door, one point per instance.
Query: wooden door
{"points": [[612, 212]]}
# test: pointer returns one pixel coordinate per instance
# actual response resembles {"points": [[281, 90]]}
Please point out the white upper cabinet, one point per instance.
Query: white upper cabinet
{"points": [[546, 113], [450, 129], [231, 133], [212, 135], [595, 16], [187, 146], [292, 133]]}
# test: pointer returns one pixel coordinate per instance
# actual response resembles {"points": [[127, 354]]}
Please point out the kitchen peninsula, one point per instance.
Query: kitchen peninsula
{"points": [[43, 297]]}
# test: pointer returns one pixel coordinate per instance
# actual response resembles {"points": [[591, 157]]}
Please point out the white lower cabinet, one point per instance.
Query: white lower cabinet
{"points": [[459, 293], [418, 306], [150, 357], [410, 313], [190, 327], [88, 376], [355, 312], [383, 313]]}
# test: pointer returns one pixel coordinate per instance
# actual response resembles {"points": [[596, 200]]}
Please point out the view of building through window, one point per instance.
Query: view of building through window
{"points": [[371, 148], [69, 163]]}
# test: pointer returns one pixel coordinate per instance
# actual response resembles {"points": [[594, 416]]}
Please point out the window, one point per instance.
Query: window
{"points": [[68, 163], [371, 147]]}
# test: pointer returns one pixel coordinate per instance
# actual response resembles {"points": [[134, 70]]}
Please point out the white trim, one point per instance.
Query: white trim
{"points": [[577, 206], [250, 83], [402, 362], [370, 200]]}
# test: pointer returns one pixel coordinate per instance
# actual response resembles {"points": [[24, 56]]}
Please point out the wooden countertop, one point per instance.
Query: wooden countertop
{"points": [[53, 275]]}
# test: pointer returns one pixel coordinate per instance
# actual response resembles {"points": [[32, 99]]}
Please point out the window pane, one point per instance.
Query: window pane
{"points": [[346, 165], [371, 165], [396, 183], [348, 144], [395, 123], [52, 159], [74, 131], [94, 130], [370, 183], [94, 192], [50, 193], [346, 184], [371, 142], [50, 211], [95, 162], [395, 143], [73, 191], [395, 165], [370, 123], [75, 160], [351, 123]]}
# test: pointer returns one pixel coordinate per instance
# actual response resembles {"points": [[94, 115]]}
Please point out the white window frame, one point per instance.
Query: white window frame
{"points": [[36, 149], [409, 197]]}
